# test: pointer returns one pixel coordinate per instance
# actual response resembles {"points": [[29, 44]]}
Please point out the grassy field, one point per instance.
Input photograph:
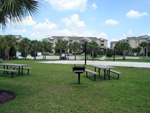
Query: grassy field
{"points": [[53, 88]]}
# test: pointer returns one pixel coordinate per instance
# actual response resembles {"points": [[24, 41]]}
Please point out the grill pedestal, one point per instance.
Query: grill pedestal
{"points": [[78, 70]]}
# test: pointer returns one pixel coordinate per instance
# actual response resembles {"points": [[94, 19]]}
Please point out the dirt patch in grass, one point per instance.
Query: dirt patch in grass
{"points": [[6, 96]]}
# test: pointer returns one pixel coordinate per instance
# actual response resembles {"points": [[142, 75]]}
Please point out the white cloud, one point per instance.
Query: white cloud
{"points": [[41, 30], [102, 35], [66, 32], [135, 14], [130, 32], [111, 22], [148, 34], [62, 5], [73, 26], [20, 31], [27, 21], [73, 22], [114, 40], [123, 36], [46, 26], [94, 6]]}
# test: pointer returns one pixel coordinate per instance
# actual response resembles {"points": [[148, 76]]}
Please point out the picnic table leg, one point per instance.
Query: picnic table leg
{"points": [[109, 73], [99, 71], [95, 69], [104, 74], [86, 74], [12, 75], [22, 70], [95, 77], [78, 78], [28, 71], [7, 69], [19, 70], [4, 68]]}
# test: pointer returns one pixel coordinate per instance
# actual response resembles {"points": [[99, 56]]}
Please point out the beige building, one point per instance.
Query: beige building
{"points": [[53, 39], [18, 37], [112, 44], [133, 41]]}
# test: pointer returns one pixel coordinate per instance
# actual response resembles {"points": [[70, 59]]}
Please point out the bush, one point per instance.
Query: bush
{"points": [[32, 53], [109, 52], [12, 52]]}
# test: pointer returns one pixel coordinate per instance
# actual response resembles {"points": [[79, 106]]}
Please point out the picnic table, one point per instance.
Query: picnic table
{"points": [[105, 68], [20, 67]]}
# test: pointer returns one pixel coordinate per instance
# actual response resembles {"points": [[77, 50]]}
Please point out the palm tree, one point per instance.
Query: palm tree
{"points": [[122, 48], [125, 47], [35, 47], [93, 46], [143, 45], [25, 43], [46, 46], [59, 46], [9, 41], [15, 10], [70, 48], [76, 46], [1, 46], [65, 46]]}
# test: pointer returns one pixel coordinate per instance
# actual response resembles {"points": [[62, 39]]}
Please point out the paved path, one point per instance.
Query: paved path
{"points": [[110, 63], [54, 57]]}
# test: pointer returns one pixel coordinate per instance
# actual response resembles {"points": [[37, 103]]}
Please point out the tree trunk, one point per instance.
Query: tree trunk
{"points": [[43, 54], [143, 53], [6, 53], [60, 54], [75, 55], [25, 53], [92, 54], [65, 54], [124, 55], [34, 55]]}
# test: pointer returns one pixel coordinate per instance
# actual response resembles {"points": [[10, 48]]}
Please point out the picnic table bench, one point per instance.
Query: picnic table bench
{"points": [[116, 72], [93, 72], [23, 68], [6, 70], [107, 70]]}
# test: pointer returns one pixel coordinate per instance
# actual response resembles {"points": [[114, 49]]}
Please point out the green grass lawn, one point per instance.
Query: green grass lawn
{"points": [[52, 88]]}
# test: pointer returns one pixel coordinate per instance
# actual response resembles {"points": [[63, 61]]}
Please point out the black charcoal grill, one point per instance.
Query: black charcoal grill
{"points": [[78, 70]]}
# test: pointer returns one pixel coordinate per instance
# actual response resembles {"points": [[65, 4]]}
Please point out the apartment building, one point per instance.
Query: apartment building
{"points": [[133, 41], [53, 39], [112, 44], [18, 37]]}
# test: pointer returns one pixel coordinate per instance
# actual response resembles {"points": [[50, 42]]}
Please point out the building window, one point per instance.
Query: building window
{"points": [[102, 40], [51, 40], [102, 44], [70, 41], [51, 44]]}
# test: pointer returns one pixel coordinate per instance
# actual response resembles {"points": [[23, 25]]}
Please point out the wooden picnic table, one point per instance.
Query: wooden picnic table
{"points": [[14, 66], [105, 68]]}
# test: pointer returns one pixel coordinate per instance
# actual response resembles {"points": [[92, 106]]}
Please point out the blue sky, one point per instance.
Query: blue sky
{"points": [[109, 19]]}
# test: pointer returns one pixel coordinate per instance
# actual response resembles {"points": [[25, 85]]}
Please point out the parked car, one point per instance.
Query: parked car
{"points": [[63, 56]]}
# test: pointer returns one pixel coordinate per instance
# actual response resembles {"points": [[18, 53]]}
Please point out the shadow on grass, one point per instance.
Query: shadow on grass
{"points": [[100, 78], [15, 75]]}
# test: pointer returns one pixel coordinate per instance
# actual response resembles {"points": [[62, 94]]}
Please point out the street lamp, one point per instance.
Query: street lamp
{"points": [[114, 53]]}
